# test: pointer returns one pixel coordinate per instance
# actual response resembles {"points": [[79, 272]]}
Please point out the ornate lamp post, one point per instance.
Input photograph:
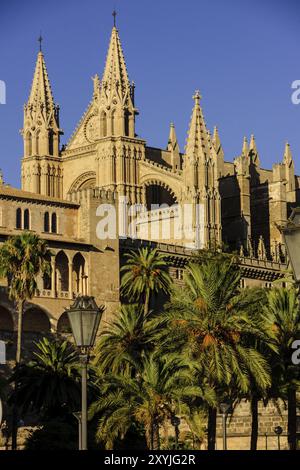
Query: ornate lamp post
{"points": [[84, 316], [224, 408], [291, 236]]}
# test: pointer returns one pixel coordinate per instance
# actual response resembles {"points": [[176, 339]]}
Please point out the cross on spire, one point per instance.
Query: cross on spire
{"points": [[40, 40], [114, 14]]}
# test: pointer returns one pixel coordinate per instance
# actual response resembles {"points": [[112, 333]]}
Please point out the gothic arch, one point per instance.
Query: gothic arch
{"points": [[86, 180], [36, 320], [158, 180], [63, 324], [159, 192]]}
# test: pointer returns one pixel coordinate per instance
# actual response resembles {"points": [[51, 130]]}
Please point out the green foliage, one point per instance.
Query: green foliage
{"points": [[145, 272], [53, 436], [22, 258], [49, 384]]}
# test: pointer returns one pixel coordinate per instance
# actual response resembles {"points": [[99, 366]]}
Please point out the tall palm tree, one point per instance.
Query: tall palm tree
{"points": [[22, 259], [206, 321], [282, 316], [147, 398], [50, 383], [124, 341], [145, 272]]}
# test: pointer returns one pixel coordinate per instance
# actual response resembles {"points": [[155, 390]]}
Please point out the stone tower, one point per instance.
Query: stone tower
{"points": [[201, 171], [118, 148], [41, 168]]}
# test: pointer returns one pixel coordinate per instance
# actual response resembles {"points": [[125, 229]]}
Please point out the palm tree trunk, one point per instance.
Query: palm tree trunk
{"points": [[211, 428], [147, 301], [156, 438], [15, 418], [254, 424], [19, 337], [292, 418]]}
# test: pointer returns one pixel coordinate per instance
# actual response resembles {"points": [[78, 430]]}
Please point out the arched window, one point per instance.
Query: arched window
{"points": [[46, 222], [54, 223], [50, 143], [62, 272], [113, 122], [28, 144], [38, 142], [103, 125], [26, 219], [126, 122], [19, 218]]}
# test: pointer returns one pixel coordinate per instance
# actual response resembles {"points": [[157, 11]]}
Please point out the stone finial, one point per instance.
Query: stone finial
{"points": [[245, 148], [1, 178], [287, 157], [261, 249]]}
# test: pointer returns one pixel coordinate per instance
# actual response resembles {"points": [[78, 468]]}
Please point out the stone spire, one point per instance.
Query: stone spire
{"points": [[217, 142], [173, 147], [41, 98], [115, 76], [41, 130], [116, 92], [245, 148], [198, 142], [41, 165], [253, 151], [287, 157]]}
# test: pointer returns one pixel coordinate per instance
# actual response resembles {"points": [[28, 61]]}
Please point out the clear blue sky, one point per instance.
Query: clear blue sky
{"points": [[243, 55]]}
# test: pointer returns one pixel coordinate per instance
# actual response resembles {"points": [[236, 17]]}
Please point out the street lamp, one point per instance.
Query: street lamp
{"points": [[278, 431], [84, 316], [224, 408], [291, 236]]}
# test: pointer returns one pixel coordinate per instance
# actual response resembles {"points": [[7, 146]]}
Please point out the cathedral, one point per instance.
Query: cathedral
{"points": [[199, 196]]}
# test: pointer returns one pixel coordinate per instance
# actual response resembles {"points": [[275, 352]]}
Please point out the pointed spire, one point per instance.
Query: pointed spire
{"points": [[245, 148], [253, 151], [261, 250], [41, 97], [198, 141], [172, 142], [115, 76], [287, 157], [252, 145], [173, 147], [217, 143]]}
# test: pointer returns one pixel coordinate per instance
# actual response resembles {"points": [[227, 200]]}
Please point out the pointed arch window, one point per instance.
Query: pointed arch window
{"points": [[113, 122], [28, 144], [50, 143], [46, 222], [54, 223], [19, 218], [38, 142], [26, 219], [103, 124], [126, 122]]}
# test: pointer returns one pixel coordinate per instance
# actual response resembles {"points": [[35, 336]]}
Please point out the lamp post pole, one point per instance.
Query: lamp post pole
{"points": [[224, 408], [84, 363], [84, 316]]}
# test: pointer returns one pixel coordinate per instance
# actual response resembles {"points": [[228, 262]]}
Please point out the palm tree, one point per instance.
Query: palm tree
{"points": [[22, 259], [282, 316], [50, 383], [147, 398], [206, 321], [145, 272], [125, 341], [252, 301]]}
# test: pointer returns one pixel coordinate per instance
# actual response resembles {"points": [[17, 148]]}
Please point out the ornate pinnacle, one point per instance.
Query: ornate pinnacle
{"points": [[197, 97]]}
